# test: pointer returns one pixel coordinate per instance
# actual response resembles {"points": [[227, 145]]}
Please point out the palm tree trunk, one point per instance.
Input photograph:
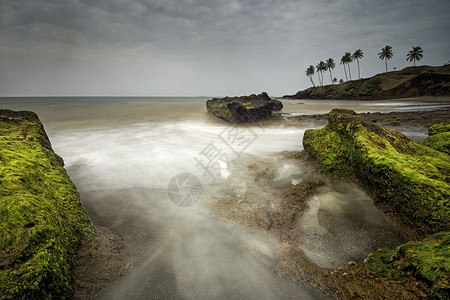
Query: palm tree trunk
{"points": [[385, 60], [345, 71], [359, 73], [414, 61], [331, 76], [321, 73], [310, 77], [349, 72]]}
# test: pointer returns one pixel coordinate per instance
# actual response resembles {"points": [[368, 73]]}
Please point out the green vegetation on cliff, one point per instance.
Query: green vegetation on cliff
{"points": [[41, 217], [410, 181], [409, 82]]}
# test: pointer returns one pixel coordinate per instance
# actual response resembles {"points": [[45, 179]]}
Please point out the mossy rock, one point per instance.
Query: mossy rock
{"points": [[428, 261], [42, 219], [409, 181], [439, 142], [439, 128]]}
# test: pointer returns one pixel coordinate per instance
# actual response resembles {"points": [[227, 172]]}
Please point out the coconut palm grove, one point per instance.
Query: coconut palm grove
{"points": [[386, 54]]}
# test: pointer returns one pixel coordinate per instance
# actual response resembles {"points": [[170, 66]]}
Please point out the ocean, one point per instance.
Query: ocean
{"points": [[149, 168]]}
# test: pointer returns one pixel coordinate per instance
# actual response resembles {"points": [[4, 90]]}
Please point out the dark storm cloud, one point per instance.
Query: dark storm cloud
{"points": [[214, 23], [166, 23], [248, 44]]}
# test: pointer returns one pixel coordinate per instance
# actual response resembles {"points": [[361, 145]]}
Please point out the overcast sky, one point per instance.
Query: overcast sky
{"points": [[205, 47]]}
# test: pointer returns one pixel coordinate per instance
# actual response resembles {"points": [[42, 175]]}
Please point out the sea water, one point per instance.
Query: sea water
{"points": [[123, 153]]}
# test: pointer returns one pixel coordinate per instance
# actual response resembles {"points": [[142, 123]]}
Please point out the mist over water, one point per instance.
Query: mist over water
{"points": [[342, 225], [122, 152]]}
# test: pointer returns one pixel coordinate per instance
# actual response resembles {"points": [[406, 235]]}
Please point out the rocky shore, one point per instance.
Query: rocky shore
{"points": [[424, 118], [408, 182], [51, 248]]}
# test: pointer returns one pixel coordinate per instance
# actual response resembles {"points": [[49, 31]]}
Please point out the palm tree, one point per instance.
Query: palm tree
{"points": [[386, 53], [330, 66], [357, 55], [320, 68], [318, 74], [415, 54], [343, 62], [323, 68], [348, 60], [310, 72]]}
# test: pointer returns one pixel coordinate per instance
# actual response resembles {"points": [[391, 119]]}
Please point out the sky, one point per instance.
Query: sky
{"points": [[205, 47]]}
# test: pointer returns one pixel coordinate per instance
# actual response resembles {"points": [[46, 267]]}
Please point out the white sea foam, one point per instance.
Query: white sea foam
{"points": [[122, 153]]}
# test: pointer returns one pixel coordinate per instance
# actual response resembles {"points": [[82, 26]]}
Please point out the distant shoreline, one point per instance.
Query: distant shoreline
{"points": [[411, 82], [430, 99]]}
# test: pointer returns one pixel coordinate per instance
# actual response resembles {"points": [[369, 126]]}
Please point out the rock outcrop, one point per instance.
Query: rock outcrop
{"points": [[410, 182], [42, 220], [245, 109]]}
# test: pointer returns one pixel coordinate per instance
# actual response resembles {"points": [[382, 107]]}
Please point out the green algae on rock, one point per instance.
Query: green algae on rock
{"points": [[42, 219], [439, 128], [427, 260], [439, 137], [414, 270], [409, 181], [439, 142]]}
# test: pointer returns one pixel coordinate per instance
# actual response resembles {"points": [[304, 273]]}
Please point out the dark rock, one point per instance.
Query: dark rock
{"points": [[244, 109]]}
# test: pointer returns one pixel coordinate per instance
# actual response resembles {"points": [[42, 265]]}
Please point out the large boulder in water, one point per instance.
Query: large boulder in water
{"points": [[410, 182], [244, 109]]}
